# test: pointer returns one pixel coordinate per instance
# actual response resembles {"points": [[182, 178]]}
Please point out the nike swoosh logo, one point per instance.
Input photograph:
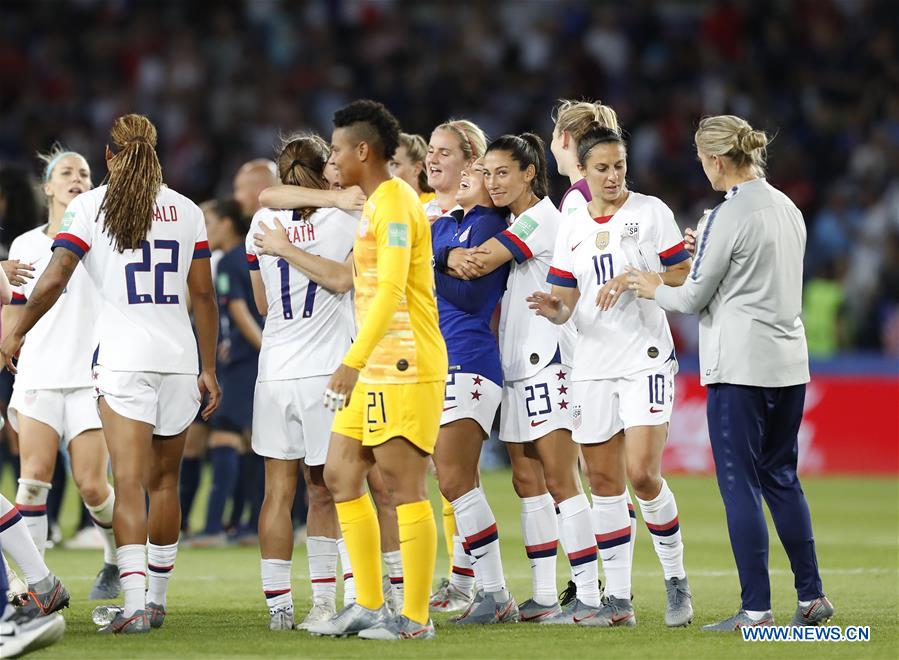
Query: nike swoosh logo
{"points": [[583, 618], [575, 246], [619, 619], [654, 410], [542, 421], [450, 408]]}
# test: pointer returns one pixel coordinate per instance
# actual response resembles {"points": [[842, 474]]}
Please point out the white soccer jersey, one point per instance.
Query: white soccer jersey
{"points": [[527, 342], [143, 323], [308, 328], [68, 326], [577, 196], [633, 335]]}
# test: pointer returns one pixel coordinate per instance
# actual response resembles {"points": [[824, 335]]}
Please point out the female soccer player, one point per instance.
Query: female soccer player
{"points": [[144, 246], [624, 378], [301, 273], [572, 120], [454, 145], [390, 386], [473, 389], [240, 328], [408, 163], [746, 286], [535, 418], [52, 397]]}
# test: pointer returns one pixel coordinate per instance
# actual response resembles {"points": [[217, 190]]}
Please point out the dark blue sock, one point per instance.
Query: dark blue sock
{"points": [[190, 482], [225, 471]]}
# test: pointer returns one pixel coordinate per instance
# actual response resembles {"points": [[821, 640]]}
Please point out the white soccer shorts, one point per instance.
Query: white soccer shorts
{"points": [[533, 407], [168, 402], [471, 396], [290, 420], [69, 412], [604, 407]]}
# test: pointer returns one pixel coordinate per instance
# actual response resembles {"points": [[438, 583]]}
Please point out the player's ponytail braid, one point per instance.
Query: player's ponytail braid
{"points": [[135, 178]]}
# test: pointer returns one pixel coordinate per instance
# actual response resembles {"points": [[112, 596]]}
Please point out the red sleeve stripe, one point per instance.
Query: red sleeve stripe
{"points": [[71, 242], [18, 298], [252, 261], [515, 245], [201, 250], [672, 250], [561, 277]]}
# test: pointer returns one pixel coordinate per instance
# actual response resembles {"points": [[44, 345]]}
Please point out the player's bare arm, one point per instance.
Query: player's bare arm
{"points": [[259, 292], [296, 197], [243, 319], [472, 263], [46, 292], [333, 275], [556, 306], [206, 318]]}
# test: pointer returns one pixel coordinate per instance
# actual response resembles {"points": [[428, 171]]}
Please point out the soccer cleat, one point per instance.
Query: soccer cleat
{"points": [[156, 615], [349, 621], [399, 627], [486, 609], [530, 611], [319, 612], [817, 613], [679, 610], [17, 593], [450, 598], [393, 598], [106, 586], [44, 601], [135, 624], [25, 632], [612, 613], [281, 620], [739, 620], [569, 594]]}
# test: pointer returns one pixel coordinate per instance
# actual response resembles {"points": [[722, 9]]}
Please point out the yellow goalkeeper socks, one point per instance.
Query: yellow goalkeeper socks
{"points": [[449, 531], [359, 524], [418, 544]]}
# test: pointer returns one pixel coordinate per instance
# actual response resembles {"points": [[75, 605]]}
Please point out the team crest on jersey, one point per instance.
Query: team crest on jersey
{"points": [[602, 240], [576, 417], [464, 236]]}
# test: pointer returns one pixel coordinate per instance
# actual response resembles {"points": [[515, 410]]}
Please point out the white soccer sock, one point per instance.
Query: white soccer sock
{"points": [[349, 584], [132, 561], [394, 563], [322, 554], [462, 575], [102, 518], [660, 516], [633, 515], [15, 539], [612, 526], [160, 563], [31, 501], [577, 531], [476, 521], [540, 533], [756, 615], [562, 540], [276, 585]]}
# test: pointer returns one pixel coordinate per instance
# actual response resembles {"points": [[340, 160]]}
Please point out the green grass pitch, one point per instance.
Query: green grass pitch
{"points": [[216, 608]]}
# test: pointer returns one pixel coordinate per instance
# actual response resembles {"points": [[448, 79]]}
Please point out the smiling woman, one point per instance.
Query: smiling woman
{"points": [[454, 145]]}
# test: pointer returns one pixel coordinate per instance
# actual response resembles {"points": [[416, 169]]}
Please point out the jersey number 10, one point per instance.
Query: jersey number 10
{"points": [[602, 264], [286, 304]]}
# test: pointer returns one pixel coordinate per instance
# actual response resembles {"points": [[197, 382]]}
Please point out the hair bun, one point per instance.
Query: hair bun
{"points": [[749, 140]]}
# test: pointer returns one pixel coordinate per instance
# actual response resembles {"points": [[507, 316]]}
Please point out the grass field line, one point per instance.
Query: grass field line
{"points": [[527, 574]]}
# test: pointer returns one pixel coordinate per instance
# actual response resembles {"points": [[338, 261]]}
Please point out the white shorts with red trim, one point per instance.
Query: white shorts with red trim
{"points": [[69, 412], [167, 402], [290, 421], [471, 396], [535, 406], [604, 407]]}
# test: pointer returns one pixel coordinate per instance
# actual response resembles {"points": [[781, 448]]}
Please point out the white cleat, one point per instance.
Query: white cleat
{"points": [[350, 621], [319, 612], [281, 620], [450, 598]]}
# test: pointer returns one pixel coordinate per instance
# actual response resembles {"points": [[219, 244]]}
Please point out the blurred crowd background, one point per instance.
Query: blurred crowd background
{"points": [[222, 80]]}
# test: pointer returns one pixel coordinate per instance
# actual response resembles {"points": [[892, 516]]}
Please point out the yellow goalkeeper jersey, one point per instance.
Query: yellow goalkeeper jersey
{"points": [[399, 338]]}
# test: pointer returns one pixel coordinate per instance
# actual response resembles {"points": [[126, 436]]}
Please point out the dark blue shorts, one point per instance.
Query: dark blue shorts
{"points": [[238, 383]]}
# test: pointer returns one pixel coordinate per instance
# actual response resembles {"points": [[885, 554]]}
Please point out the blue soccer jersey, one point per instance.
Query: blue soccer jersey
{"points": [[232, 282], [466, 306]]}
